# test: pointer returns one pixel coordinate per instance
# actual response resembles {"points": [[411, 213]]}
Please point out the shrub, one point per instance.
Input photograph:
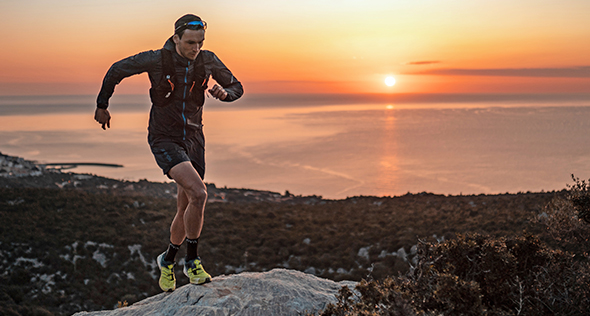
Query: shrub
{"points": [[476, 274], [567, 219], [376, 298], [518, 274], [580, 199]]}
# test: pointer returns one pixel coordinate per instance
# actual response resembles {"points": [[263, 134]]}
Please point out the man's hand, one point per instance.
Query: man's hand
{"points": [[102, 116], [218, 92]]}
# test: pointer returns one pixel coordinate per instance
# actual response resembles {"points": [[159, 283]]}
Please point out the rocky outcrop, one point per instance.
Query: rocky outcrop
{"points": [[14, 167], [277, 292]]}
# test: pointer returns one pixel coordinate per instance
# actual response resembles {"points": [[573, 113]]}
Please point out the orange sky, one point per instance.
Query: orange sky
{"points": [[328, 46]]}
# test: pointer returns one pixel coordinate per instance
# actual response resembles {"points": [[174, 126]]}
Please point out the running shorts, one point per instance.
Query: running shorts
{"points": [[169, 152]]}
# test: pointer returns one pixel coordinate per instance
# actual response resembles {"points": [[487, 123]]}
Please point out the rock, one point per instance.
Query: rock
{"points": [[401, 252], [364, 252], [277, 292], [414, 250], [310, 270]]}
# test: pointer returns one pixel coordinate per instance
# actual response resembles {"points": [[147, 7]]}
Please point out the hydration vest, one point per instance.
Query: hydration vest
{"points": [[162, 95]]}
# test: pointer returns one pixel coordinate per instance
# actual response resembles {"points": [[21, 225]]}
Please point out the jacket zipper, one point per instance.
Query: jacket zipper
{"points": [[184, 100]]}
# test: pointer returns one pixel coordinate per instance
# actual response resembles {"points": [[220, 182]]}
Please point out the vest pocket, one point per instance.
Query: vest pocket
{"points": [[163, 94]]}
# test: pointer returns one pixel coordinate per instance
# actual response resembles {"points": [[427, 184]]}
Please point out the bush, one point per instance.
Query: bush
{"points": [[376, 298], [476, 274], [567, 219]]}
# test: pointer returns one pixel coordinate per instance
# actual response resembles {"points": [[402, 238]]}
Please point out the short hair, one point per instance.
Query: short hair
{"points": [[180, 24]]}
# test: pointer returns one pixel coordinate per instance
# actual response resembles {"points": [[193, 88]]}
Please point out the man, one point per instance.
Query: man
{"points": [[179, 73]]}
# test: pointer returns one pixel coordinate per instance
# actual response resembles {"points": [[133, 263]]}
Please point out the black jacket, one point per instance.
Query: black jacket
{"points": [[183, 117]]}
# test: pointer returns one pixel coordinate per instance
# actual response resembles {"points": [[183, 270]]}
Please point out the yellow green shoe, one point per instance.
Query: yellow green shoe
{"points": [[167, 278], [195, 272]]}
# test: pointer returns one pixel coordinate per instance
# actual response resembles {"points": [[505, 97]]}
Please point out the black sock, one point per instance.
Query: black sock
{"points": [[171, 252], [191, 249]]}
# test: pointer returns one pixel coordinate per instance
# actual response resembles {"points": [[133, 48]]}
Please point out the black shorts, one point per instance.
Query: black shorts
{"points": [[171, 151]]}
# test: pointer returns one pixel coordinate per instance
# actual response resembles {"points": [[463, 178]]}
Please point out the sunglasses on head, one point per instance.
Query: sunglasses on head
{"points": [[193, 25]]}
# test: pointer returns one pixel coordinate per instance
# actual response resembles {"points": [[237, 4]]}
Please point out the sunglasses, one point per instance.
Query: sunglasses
{"points": [[194, 25]]}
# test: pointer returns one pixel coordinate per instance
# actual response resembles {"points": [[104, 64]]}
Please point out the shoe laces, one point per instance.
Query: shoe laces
{"points": [[168, 270], [195, 265]]}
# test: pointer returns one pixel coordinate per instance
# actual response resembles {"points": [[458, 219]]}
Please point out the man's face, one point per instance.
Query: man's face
{"points": [[190, 44]]}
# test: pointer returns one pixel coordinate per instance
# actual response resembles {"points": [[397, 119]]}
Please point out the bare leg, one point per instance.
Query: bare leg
{"points": [[177, 232], [195, 192]]}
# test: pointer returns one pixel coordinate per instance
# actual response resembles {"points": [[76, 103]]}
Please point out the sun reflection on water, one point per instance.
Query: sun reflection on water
{"points": [[388, 161]]}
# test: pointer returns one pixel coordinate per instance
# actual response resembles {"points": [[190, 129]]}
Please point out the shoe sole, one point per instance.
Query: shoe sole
{"points": [[207, 280]]}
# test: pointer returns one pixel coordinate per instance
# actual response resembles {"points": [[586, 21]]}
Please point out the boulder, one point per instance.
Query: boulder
{"points": [[277, 292]]}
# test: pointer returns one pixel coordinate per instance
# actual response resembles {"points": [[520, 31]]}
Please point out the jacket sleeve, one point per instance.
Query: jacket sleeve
{"points": [[122, 69], [226, 79]]}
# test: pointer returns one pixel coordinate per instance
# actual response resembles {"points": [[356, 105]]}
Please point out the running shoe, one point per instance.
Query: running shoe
{"points": [[195, 272], [167, 278]]}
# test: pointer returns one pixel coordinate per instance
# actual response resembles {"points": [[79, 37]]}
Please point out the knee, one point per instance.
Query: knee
{"points": [[197, 194]]}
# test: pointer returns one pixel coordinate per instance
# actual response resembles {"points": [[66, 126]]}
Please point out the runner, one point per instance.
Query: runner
{"points": [[179, 74]]}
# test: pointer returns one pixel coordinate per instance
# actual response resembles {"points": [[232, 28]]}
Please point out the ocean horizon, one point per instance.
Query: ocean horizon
{"points": [[330, 145], [51, 104]]}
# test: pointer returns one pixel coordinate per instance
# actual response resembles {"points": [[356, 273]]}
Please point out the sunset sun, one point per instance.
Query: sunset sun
{"points": [[389, 81]]}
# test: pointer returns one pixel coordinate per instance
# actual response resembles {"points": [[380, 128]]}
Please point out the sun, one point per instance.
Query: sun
{"points": [[389, 81]]}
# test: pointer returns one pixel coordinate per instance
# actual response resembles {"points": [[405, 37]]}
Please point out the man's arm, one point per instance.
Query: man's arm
{"points": [[120, 70], [229, 87]]}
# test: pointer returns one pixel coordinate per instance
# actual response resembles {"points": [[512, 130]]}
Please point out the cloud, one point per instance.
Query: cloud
{"points": [[424, 62], [566, 72]]}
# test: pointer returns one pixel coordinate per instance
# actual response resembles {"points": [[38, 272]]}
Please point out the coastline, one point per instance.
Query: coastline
{"points": [[18, 172]]}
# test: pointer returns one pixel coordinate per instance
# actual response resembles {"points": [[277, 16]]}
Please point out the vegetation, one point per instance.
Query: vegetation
{"points": [[70, 249], [477, 274]]}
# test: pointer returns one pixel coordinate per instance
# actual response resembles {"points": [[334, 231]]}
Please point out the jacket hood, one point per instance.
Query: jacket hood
{"points": [[170, 45]]}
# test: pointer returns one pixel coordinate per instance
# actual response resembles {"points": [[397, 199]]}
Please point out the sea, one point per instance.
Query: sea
{"points": [[334, 146]]}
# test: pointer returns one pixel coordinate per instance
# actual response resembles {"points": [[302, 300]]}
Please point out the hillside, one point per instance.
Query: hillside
{"points": [[90, 242]]}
